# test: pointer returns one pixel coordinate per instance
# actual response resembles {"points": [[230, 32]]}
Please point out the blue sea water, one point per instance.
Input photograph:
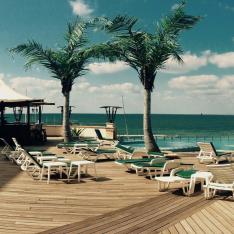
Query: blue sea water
{"points": [[182, 125], [180, 130]]}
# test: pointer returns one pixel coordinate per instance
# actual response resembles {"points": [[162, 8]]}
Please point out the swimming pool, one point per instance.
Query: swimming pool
{"points": [[183, 143]]}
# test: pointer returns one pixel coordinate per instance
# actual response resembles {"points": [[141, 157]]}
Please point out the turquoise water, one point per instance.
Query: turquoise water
{"points": [[186, 143]]}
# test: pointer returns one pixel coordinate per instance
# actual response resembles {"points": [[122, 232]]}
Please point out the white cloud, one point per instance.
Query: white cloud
{"points": [[81, 8], [86, 96], [193, 82], [227, 82], [106, 67], [191, 62], [204, 86], [113, 89], [194, 62], [224, 60]]}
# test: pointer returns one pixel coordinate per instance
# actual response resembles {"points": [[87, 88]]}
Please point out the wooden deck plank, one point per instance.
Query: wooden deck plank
{"points": [[117, 202], [221, 218], [216, 222], [210, 219], [194, 226], [180, 228]]}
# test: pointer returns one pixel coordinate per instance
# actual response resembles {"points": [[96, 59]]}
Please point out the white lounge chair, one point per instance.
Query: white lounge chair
{"points": [[177, 175], [208, 153], [33, 164], [104, 141], [223, 179], [157, 167]]}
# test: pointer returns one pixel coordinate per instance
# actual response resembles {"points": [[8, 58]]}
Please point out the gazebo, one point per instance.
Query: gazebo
{"points": [[25, 131]]}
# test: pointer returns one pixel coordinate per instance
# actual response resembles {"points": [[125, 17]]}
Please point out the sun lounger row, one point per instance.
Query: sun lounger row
{"points": [[217, 177], [40, 165]]}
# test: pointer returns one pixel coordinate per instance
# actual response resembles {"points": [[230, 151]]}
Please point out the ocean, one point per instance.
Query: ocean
{"points": [[165, 124], [178, 131]]}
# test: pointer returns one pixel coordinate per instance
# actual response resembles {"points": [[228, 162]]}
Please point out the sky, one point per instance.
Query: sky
{"points": [[204, 83]]}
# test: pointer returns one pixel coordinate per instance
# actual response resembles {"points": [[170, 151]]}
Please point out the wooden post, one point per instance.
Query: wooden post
{"points": [[39, 115], [2, 113], [28, 114]]}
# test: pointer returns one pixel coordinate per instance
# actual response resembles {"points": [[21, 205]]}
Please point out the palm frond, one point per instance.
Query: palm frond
{"points": [[76, 35], [172, 25], [120, 24], [35, 53]]}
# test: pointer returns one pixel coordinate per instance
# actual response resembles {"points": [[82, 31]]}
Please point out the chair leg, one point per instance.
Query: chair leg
{"points": [[48, 174], [69, 173], [60, 172], [159, 185], [42, 172], [95, 171]]}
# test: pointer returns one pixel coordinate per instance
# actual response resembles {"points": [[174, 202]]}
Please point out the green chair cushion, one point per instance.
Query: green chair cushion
{"points": [[129, 150], [105, 151], [144, 164], [156, 153], [186, 174], [135, 160]]}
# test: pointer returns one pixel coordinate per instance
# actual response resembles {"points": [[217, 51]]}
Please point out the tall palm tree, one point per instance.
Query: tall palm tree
{"points": [[146, 52], [65, 64]]}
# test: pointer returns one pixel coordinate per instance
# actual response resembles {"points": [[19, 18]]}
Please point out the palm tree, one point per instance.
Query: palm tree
{"points": [[147, 53], [65, 64]]}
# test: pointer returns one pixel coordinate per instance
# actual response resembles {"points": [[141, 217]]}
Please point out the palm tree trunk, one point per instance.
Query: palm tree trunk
{"points": [[66, 119], [150, 143]]}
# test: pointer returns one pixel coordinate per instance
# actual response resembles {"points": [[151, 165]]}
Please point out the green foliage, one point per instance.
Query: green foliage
{"points": [[66, 63], [147, 52], [76, 132]]}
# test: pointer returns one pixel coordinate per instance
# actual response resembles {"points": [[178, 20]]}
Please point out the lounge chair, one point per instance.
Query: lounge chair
{"points": [[94, 155], [124, 152], [208, 153], [104, 141], [129, 162], [74, 146], [177, 175], [223, 179], [6, 149], [43, 167], [158, 166]]}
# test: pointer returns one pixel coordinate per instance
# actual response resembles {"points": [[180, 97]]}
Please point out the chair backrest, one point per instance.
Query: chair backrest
{"points": [[223, 173], [158, 160], [124, 148], [98, 133], [171, 164], [6, 150], [207, 148], [17, 145], [31, 158]]}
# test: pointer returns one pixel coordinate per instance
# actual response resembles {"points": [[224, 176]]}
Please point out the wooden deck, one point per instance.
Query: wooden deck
{"points": [[118, 202]]}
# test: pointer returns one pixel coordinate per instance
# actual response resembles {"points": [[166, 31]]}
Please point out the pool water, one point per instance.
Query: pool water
{"points": [[184, 143]]}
